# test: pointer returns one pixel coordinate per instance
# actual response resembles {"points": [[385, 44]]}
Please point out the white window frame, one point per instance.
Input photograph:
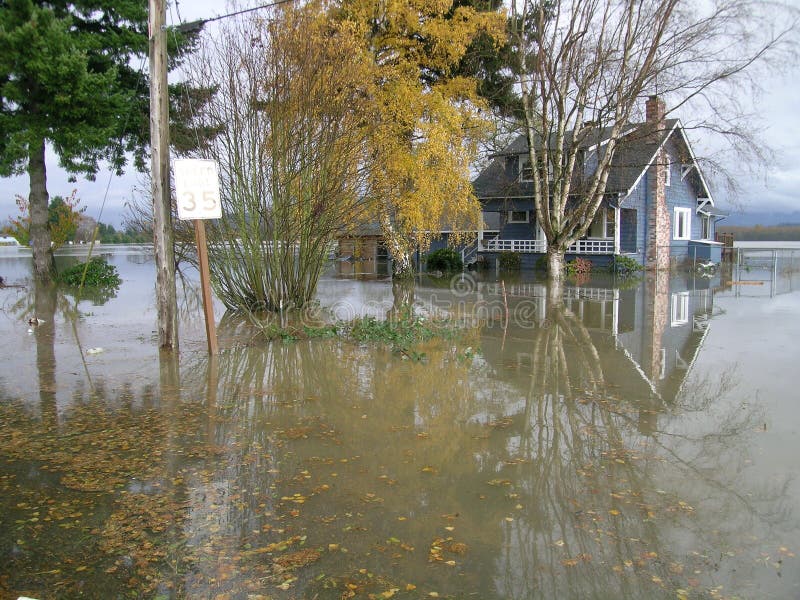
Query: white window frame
{"points": [[668, 170], [705, 227], [680, 309], [525, 165], [682, 214], [604, 212], [511, 218]]}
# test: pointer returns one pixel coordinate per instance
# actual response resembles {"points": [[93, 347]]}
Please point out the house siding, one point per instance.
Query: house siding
{"points": [[651, 241], [637, 200], [682, 194]]}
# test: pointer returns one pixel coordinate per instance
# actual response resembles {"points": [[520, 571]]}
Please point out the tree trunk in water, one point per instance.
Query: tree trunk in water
{"points": [[403, 298], [401, 265], [44, 302], [555, 277], [38, 201]]}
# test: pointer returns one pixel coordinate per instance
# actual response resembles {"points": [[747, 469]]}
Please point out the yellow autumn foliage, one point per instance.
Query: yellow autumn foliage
{"points": [[429, 120]]}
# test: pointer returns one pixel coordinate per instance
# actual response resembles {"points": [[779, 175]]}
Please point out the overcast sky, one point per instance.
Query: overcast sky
{"points": [[776, 191]]}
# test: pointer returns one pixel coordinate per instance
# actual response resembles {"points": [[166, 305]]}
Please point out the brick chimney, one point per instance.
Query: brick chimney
{"points": [[655, 109], [656, 115], [658, 218]]}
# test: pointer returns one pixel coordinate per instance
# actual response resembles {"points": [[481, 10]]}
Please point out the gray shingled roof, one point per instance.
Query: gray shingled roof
{"points": [[632, 156]]}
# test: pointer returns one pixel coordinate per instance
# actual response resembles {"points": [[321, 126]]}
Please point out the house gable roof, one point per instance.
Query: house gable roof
{"points": [[634, 154]]}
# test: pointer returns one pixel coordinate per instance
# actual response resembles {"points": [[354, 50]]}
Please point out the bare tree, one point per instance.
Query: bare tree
{"points": [[291, 93], [585, 65]]}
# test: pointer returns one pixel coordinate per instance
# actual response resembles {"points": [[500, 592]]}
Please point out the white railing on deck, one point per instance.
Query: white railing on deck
{"points": [[513, 245], [540, 246], [592, 247]]}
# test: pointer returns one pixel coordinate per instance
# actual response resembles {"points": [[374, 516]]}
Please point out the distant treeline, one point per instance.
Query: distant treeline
{"points": [[784, 232]]}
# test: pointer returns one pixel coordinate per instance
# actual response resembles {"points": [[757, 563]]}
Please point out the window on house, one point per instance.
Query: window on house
{"points": [[603, 224], [668, 170], [518, 216], [705, 227], [680, 309], [525, 171], [682, 224]]}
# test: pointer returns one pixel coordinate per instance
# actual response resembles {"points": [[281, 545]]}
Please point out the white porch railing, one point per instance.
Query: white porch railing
{"points": [[592, 247], [540, 246], [496, 245]]}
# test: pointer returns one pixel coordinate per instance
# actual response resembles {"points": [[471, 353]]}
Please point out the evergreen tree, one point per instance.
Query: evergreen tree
{"points": [[68, 79]]}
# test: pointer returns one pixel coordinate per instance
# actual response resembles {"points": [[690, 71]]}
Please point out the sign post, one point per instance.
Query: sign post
{"points": [[197, 191]]}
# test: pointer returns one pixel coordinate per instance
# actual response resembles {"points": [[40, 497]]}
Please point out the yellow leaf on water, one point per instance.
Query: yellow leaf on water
{"points": [[614, 512]]}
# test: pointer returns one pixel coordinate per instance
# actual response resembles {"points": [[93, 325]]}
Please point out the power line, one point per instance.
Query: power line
{"points": [[198, 24]]}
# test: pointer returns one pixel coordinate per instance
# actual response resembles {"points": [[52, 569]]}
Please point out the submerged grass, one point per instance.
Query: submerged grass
{"points": [[402, 333]]}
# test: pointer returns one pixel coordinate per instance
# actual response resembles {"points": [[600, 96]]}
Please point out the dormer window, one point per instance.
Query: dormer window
{"points": [[525, 171]]}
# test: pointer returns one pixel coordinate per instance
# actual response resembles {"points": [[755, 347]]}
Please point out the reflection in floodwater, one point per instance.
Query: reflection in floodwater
{"points": [[576, 455]]}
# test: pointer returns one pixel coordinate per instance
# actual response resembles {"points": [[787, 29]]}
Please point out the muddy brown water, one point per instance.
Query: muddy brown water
{"points": [[638, 441]]}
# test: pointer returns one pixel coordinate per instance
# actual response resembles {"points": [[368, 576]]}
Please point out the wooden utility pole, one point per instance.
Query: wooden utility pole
{"points": [[166, 300]]}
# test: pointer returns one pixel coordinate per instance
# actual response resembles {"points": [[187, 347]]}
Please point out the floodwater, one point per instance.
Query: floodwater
{"points": [[638, 441]]}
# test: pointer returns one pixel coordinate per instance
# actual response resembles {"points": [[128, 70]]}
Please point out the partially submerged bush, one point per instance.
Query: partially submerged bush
{"points": [[447, 260], [99, 274], [624, 266], [579, 266], [510, 261]]}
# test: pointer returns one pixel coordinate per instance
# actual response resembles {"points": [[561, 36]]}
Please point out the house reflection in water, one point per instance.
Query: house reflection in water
{"points": [[634, 344], [363, 255]]}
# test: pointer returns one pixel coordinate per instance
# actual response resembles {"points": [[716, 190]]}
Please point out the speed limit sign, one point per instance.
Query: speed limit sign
{"points": [[197, 189]]}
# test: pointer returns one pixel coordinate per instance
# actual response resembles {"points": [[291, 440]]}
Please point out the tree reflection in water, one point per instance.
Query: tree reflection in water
{"points": [[322, 468]]}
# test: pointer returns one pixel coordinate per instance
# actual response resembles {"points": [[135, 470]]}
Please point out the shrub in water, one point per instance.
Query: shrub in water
{"points": [[579, 266], [510, 261], [98, 274], [444, 259], [624, 265]]}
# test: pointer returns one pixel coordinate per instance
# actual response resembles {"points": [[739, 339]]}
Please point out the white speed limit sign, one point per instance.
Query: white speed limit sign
{"points": [[197, 189]]}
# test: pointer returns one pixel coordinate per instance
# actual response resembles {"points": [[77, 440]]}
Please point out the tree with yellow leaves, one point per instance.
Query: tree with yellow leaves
{"points": [[429, 118]]}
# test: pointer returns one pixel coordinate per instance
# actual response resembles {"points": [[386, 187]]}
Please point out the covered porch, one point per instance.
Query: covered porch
{"points": [[612, 231]]}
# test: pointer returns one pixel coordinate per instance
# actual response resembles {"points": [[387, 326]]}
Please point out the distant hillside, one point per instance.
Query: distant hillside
{"points": [[763, 218], [782, 233]]}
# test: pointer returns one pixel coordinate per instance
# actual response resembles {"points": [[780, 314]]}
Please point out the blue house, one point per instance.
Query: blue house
{"points": [[657, 209]]}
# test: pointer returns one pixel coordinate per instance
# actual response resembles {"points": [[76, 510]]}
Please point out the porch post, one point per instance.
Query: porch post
{"points": [[617, 220], [480, 232]]}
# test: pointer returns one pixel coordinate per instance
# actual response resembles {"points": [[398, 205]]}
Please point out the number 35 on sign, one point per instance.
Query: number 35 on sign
{"points": [[197, 189]]}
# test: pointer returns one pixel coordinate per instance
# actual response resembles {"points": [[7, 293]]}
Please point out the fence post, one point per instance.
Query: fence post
{"points": [[774, 272]]}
